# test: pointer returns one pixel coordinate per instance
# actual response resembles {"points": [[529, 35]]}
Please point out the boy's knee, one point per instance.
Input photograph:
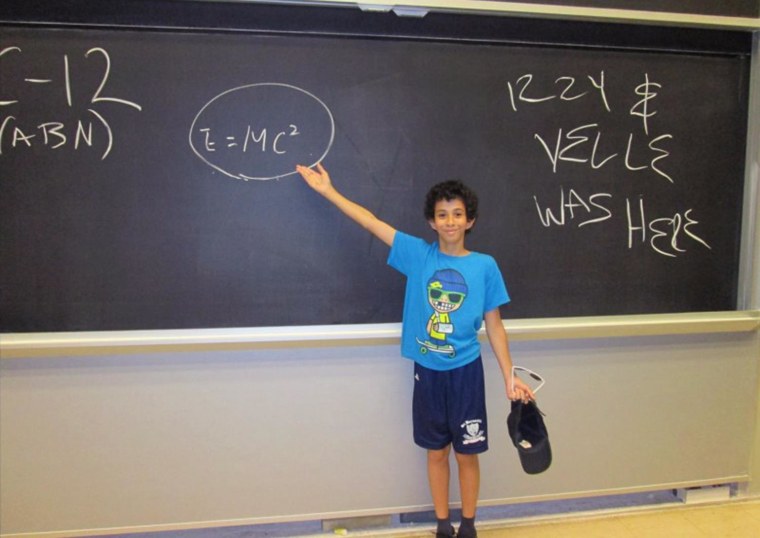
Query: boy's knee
{"points": [[467, 459], [439, 456]]}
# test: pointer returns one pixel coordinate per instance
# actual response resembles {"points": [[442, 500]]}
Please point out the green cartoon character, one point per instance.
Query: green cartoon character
{"points": [[446, 293]]}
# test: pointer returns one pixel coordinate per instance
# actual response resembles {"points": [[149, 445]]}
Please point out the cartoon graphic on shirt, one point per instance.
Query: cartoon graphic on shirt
{"points": [[447, 290]]}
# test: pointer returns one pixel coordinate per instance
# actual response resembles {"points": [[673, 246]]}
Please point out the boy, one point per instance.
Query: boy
{"points": [[449, 292]]}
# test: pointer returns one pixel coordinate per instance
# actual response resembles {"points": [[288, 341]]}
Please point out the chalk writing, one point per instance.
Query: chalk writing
{"points": [[18, 131], [252, 140], [595, 204], [578, 140], [587, 145], [664, 233], [261, 131], [641, 108], [520, 91]]}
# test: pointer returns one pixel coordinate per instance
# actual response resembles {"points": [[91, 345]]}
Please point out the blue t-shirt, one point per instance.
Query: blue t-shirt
{"points": [[446, 299]]}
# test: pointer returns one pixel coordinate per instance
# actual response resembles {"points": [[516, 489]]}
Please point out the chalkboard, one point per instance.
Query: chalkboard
{"points": [[146, 176]]}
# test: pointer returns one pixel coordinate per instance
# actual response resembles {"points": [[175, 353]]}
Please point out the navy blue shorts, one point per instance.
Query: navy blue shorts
{"points": [[449, 407]]}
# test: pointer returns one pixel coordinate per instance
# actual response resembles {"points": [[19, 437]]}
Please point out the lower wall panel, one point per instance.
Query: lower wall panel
{"points": [[172, 440]]}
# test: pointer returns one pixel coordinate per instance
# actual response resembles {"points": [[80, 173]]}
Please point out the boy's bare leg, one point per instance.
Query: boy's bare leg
{"points": [[469, 482], [438, 476]]}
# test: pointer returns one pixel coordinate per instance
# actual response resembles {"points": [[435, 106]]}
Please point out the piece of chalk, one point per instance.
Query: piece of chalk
{"points": [[341, 532]]}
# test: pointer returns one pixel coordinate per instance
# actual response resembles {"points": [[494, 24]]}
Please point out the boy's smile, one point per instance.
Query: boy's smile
{"points": [[450, 221]]}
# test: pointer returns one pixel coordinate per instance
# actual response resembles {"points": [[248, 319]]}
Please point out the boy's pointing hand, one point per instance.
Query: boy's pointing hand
{"points": [[319, 179]]}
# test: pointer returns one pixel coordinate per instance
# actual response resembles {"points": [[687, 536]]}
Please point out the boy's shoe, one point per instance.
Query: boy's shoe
{"points": [[450, 534], [467, 533]]}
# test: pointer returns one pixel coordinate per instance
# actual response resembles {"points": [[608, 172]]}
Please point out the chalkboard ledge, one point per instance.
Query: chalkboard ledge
{"points": [[421, 8], [634, 325], [27, 345]]}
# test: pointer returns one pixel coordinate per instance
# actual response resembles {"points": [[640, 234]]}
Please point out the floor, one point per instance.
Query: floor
{"points": [[729, 520], [605, 517], [734, 519]]}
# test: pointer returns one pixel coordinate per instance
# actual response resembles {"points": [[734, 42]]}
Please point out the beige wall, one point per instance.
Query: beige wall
{"points": [[175, 440]]}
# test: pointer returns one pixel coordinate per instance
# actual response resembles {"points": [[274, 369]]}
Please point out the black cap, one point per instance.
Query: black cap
{"points": [[529, 435]]}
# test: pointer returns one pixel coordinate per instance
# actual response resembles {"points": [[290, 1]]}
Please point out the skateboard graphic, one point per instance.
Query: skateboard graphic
{"points": [[426, 346]]}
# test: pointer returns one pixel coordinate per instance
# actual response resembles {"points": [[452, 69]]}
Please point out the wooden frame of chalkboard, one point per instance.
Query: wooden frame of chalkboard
{"points": [[490, 20], [33, 345], [733, 14], [727, 8], [443, 28]]}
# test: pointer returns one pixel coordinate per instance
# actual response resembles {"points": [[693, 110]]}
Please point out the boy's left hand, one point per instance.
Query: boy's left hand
{"points": [[520, 391]]}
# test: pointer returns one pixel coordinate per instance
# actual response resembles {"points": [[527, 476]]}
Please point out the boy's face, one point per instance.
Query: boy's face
{"points": [[450, 221]]}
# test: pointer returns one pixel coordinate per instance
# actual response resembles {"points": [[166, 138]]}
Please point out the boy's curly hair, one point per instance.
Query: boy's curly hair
{"points": [[451, 190]]}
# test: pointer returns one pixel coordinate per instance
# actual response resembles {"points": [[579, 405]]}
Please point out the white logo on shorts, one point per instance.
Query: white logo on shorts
{"points": [[473, 433]]}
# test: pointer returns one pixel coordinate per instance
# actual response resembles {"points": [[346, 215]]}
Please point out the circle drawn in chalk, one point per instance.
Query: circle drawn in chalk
{"points": [[262, 131]]}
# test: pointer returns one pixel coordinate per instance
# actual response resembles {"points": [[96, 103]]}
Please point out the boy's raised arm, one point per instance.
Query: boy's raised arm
{"points": [[319, 180]]}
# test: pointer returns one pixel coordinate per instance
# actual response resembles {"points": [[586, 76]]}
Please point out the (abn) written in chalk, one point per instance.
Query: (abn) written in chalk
{"points": [[57, 89]]}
